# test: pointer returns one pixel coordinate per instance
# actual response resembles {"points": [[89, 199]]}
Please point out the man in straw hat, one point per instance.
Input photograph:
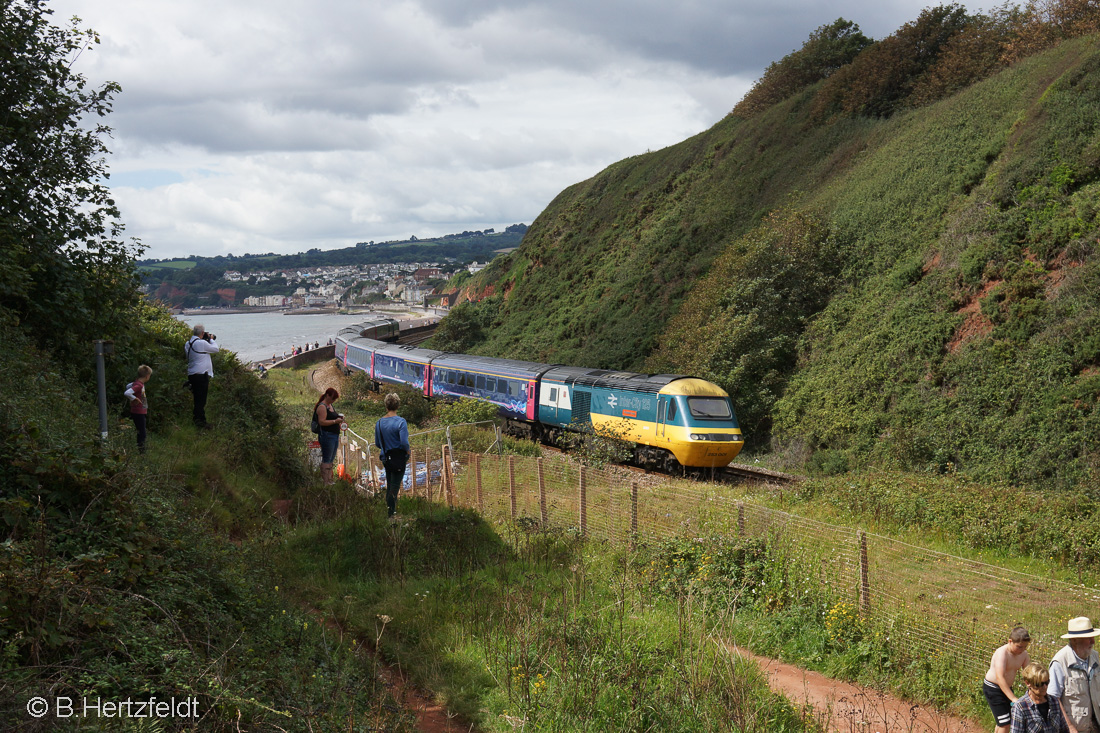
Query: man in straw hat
{"points": [[1075, 677]]}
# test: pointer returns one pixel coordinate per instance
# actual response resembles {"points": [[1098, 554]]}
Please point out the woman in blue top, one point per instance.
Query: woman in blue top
{"points": [[391, 435]]}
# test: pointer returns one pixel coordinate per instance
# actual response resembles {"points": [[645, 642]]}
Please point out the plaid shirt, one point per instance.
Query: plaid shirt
{"points": [[1026, 717]]}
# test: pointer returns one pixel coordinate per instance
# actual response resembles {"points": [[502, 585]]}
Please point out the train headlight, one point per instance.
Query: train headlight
{"points": [[696, 436]]}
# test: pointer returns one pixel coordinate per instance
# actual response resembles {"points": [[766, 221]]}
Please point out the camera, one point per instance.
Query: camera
{"points": [[209, 337]]}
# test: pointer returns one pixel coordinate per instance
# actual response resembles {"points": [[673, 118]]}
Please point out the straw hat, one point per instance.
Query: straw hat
{"points": [[1080, 627]]}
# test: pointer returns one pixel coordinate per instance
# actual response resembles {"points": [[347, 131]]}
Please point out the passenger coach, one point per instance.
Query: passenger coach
{"points": [[673, 420]]}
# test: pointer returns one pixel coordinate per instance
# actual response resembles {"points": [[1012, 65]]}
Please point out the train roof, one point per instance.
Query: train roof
{"points": [[610, 379], [508, 367], [408, 352], [366, 343], [361, 327]]}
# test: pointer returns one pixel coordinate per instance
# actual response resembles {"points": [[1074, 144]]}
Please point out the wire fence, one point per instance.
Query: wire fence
{"points": [[945, 608]]}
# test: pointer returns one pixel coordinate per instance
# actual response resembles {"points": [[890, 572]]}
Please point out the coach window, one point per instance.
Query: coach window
{"points": [[480, 381], [490, 385]]}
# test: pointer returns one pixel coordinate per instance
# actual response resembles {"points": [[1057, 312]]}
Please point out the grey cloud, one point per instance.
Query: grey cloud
{"points": [[726, 37], [244, 128]]}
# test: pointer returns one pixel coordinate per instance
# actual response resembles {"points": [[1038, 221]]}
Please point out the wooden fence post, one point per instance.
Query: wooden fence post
{"points": [[512, 484], [542, 492], [633, 515], [412, 466], [864, 578], [583, 501], [477, 483], [741, 518]]}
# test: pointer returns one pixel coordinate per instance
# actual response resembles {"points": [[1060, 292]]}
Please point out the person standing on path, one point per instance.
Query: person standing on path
{"points": [[997, 687], [329, 422], [391, 435], [139, 404], [200, 370], [1075, 677]]}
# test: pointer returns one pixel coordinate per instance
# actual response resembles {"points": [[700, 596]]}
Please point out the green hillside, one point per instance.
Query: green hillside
{"points": [[913, 288]]}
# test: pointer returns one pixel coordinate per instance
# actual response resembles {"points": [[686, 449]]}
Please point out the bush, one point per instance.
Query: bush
{"points": [[828, 463], [415, 407], [468, 410]]}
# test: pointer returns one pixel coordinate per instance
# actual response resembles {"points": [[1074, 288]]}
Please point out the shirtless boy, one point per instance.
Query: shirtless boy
{"points": [[1006, 662]]}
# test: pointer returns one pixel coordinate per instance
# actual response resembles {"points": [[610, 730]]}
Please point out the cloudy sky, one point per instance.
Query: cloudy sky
{"points": [[281, 125]]}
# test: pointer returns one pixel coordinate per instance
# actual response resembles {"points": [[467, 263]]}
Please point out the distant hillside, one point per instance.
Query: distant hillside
{"points": [[479, 246], [197, 280], [883, 279]]}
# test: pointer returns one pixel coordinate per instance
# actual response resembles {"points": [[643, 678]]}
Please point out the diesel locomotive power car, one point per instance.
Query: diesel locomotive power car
{"points": [[673, 420]]}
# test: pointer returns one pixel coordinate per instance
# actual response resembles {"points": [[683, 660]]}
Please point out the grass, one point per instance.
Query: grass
{"points": [[127, 576], [915, 646], [535, 629]]}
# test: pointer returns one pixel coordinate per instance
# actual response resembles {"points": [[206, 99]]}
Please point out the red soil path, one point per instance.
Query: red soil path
{"points": [[848, 708]]}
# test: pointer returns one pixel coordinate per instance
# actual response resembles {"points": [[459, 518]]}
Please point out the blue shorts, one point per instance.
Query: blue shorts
{"points": [[329, 443]]}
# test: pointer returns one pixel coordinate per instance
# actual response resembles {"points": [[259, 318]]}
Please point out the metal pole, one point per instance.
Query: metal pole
{"points": [[101, 379]]}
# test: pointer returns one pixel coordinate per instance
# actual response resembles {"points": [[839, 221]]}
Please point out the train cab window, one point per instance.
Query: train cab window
{"points": [[709, 408], [491, 385], [671, 414], [480, 382], [553, 395]]}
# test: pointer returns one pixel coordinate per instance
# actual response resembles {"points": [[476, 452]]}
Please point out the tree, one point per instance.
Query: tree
{"points": [[828, 48], [880, 79], [65, 276]]}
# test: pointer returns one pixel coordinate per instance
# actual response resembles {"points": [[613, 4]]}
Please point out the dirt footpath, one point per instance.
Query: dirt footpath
{"points": [[327, 374], [848, 708]]}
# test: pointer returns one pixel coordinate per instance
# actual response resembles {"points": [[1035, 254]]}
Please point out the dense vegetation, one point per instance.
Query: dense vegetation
{"points": [[126, 577], [897, 272]]}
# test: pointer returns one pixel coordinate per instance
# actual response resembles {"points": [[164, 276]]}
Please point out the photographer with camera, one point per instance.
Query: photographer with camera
{"points": [[200, 370]]}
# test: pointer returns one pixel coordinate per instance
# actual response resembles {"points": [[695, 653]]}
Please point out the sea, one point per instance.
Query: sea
{"points": [[259, 336]]}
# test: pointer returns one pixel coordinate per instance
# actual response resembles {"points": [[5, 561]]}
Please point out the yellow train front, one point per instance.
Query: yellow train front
{"points": [[673, 420]]}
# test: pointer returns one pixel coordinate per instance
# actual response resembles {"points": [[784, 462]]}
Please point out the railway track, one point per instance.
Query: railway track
{"points": [[417, 336], [735, 473], [738, 472]]}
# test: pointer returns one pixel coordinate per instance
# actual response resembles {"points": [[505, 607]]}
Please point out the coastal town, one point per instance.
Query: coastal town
{"points": [[334, 287]]}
